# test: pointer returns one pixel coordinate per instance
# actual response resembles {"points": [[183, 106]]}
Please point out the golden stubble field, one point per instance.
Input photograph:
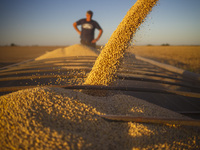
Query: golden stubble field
{"points": [[184, 57], [14, 54]]}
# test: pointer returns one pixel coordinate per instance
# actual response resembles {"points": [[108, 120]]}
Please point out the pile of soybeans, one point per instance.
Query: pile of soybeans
{"points": [[74, 50], [55, 118]]}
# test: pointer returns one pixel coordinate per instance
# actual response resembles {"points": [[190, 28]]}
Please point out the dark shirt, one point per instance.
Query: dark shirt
{"points": [[87, 29]]}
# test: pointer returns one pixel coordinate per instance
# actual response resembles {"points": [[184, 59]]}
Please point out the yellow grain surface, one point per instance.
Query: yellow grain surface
{"points": [[73, 50], [55, 118]]}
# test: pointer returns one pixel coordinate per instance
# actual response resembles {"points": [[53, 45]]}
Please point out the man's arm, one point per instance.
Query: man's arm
{"points": [[76, 28], [98, 37]]}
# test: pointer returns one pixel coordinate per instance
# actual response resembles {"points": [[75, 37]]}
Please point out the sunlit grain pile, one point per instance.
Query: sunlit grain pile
{"points": [[103, 72], [55, 118], [74, 50]]}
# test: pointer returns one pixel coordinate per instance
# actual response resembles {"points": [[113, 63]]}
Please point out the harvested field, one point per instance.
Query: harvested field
{"points": [[184, 57], [14, 54]]}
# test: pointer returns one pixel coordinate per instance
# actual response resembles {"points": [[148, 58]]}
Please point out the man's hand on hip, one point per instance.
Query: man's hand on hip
{"points": [[94, 41]]}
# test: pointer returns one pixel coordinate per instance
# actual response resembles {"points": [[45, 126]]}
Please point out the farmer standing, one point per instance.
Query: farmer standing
{"points": [[88, 27]]}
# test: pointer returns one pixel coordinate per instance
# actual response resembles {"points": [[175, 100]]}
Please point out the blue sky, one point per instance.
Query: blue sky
{"points": [[49, 22]]}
